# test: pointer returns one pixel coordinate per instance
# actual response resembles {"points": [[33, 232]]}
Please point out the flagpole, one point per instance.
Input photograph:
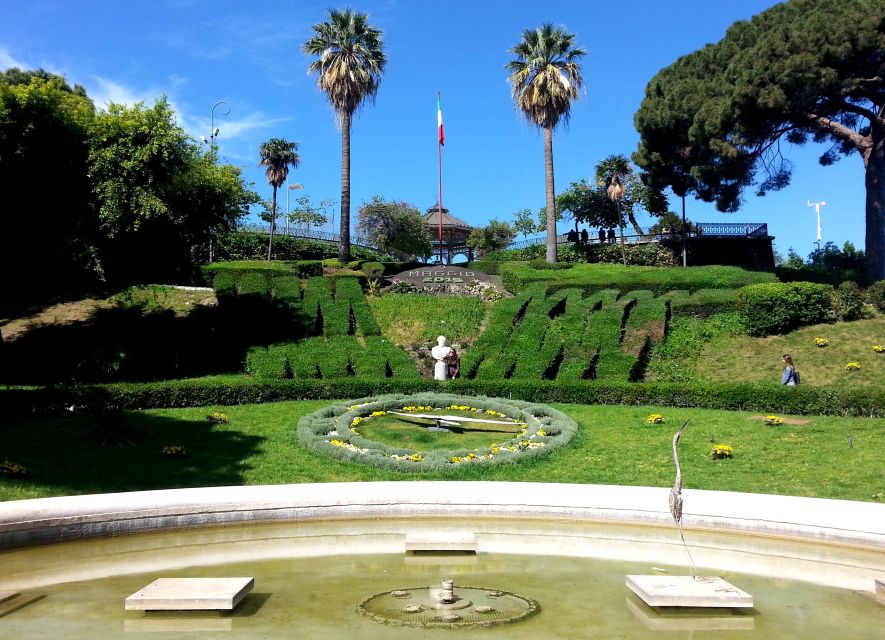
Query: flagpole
{"points": [[439, 154]]}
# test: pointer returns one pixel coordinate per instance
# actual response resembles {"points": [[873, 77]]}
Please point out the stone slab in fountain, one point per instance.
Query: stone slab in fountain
{"points": [[190, 594], [441, 542], [688, 591], [880, 590]]}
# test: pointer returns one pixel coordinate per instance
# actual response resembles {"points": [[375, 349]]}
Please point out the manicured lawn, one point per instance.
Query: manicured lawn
{"points": [[65, 455], [740, 358], [409, 318]]}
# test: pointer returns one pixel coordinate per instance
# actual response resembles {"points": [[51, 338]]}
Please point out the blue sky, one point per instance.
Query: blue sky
{"points": [[198, 52]]}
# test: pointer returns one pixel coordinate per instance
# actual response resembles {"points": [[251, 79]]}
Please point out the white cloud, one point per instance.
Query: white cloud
{"points": [[105, 91], [8, 62]]}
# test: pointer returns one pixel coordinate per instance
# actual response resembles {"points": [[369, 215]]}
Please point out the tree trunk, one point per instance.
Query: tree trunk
{"points": [[875, 183], [621, 228], [273, 222], [551, 195], [344, 239], [632, 218]]}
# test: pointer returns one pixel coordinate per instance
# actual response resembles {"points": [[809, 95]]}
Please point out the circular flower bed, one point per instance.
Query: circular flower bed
{"points": [[531, 430]]}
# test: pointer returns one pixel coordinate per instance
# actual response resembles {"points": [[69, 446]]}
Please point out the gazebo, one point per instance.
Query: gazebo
{"points": [[454, 234]]}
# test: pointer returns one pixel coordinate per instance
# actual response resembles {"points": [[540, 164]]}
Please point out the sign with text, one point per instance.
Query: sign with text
{"points": [[440, 274]]}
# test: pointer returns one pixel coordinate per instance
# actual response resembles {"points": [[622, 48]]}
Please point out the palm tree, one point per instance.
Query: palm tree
{"points": [[348, 67], [615, 191], [277, 155], [546, 78]]}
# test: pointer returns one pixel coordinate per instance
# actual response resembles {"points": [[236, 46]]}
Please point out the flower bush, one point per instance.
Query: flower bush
{"points": [[774, 421], [174, 451], [878, 348], [852, 366], [217, 418], [821, 342], [541, 429], [11, 469], [655, 418], [722, 451]]}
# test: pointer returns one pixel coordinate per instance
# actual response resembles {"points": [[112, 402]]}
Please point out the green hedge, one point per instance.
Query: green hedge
{"points": [[593, 277], [779, 307], [249, 245], [764, 398]]}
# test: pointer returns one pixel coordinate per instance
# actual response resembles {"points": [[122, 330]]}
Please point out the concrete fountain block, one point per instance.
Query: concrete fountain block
{"points": [[441, 541], [190, 594], [687, 591], [880, 590]]}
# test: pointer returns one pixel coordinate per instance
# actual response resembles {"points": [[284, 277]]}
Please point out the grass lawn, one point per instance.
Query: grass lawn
{"points": [[408, 318], [740, 358], [64, 454]]}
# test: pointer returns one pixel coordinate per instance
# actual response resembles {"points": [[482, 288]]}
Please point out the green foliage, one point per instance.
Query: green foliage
{"points": [[200, 392], [373, 270], [494, 236], [395, 227], [798, 71], [44, 131], [778, 307], [158, 194], [674, 358], [848, 301], [660, 280], [827, 265], [332, 263], [250, 245], [876, 295]]}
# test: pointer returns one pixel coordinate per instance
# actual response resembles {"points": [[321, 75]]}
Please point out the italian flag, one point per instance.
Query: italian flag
{"points": [[439, 122]]}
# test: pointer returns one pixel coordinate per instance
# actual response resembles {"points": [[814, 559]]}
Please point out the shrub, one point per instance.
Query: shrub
{"points": [[821, 342], [332, 263], [373, 270], [308, 268], [848, 301], [876, 295], [231, 390], [778, 307]]}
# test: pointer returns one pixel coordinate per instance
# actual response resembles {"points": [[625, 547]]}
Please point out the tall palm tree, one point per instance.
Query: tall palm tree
{"points": [[277, 155], [349, 64], [615, 191], [546, 78]]}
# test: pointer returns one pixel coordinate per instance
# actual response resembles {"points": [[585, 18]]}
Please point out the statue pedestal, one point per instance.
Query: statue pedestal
{"points": [[440, 370]]}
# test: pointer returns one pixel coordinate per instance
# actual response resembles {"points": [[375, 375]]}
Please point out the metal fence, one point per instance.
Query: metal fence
{"points": [[698, 229]]}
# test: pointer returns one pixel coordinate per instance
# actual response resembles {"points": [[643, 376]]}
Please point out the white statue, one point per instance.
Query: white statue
{"points": [[440, 352]]}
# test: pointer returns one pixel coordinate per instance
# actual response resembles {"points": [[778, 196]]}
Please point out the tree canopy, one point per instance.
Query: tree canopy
{"points": [[495, 236], [395, 227], [712, 123]]}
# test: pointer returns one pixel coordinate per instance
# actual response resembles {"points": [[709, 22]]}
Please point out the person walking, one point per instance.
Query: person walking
{"points": [[789, 375]]}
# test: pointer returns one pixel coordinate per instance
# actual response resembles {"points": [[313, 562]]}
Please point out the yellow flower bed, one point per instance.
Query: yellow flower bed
{"points": [[821, 342], [878, 348], [655, 418], [852, 366], [217, 418], [774, 420], [721, 451]]}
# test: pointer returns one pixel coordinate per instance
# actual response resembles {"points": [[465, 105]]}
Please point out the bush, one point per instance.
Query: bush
{"points": [[876, 295], [332, 263], [251, 245], [199, 392], [308, 268], [779, 307], [373, 270], [660, 280], [848, 301]]}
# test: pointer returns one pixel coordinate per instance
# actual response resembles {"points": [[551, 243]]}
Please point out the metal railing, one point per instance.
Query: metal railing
{"points": [[698, 229]]}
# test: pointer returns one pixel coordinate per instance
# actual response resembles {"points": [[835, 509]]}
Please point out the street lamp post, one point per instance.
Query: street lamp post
{"points": [[292, 187], [213, 134], [817, 206]]}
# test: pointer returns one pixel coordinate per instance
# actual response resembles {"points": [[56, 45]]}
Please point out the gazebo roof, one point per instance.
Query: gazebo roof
{"points": [[432, 218]]}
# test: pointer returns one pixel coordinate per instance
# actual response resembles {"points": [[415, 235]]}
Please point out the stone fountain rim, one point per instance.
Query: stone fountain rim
{"points": [[50, 520]]}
